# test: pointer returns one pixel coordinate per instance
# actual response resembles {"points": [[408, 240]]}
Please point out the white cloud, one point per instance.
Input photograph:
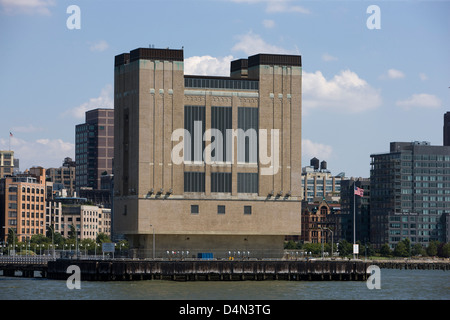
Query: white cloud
{"points": [[328, 57], [423, 76], [268, 24], [284, 6], [274, 6], [422, 100], [40, 152], [251, 44], [393, 74], [27, 129], [345, 92], [105, 100], [27, 6], [312, 149], [207, 65], [99, 46]]}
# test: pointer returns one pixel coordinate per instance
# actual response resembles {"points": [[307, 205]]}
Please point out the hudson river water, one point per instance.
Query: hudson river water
{"points": [[395, 285]]}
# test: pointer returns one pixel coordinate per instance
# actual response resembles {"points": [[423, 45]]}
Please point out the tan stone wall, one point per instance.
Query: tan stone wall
{"points": [[224, 247], [152, 94], [173, 216]]}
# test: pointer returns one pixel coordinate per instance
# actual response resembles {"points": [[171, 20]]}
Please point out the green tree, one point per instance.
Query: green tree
{"points": [[367, 249], [417, 250], [12, 237], [124, 245], [385, 250], [72, 232], [38, 239], [407, 244], [328, 248], [87, 245], [446, 250], [102, 237], [59, 239], [432, 248], [291, 244], [400, 250], [69, 244], [314, 248], [345, 248]]}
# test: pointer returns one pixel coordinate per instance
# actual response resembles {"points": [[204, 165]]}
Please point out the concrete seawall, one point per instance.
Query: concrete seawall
{"points": [[215, 270]]}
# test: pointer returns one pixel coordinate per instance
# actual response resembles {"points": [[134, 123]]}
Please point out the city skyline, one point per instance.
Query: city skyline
{"points": [[362, 88]]}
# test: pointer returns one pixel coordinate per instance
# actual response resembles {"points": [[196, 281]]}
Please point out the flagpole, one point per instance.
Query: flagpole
{"points": [[354, 219]]}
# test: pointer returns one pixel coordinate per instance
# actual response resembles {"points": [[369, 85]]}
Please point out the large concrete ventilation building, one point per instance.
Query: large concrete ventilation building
{"points": [[204, 163]]}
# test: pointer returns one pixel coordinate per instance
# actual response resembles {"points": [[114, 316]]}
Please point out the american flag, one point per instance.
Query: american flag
{"points": [[359, 191]]}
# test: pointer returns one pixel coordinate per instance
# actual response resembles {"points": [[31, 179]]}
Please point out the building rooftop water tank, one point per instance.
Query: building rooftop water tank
{"points": [[315, 163]]}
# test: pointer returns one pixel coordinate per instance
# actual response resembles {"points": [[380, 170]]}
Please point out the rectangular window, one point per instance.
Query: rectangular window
{"points": [[247, 209], [215, 83], [194, 182], [194, 209], [220, 209], [220, 181], [221, 120], [194, 123], [247, 182], [247, 135]]}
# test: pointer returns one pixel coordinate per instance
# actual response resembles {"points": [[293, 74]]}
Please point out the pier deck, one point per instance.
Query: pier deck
{"points": [[218, 270], [203, 270]]}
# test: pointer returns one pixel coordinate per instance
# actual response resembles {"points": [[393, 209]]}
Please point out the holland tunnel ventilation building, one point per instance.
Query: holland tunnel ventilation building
{"points": [[207, 164]]}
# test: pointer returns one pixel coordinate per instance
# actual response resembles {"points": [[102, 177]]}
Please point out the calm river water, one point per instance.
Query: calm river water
{"points": [[395, 285]]}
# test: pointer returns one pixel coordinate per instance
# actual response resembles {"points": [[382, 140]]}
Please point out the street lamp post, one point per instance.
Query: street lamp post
{"points": [[332, 244], [76, 240], [14, 238], [153, 241]]}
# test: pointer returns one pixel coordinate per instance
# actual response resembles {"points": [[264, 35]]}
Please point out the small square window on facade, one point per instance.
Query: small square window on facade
{"points": [[194, 209], [221, 209], [247, 209]]}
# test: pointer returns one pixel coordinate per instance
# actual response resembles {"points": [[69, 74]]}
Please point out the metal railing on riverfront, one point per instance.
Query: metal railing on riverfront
{"points": [[26, 259], [148, 254]]}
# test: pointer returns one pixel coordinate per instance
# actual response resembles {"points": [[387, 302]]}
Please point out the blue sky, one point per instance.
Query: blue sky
{"points": [[362, 88]]}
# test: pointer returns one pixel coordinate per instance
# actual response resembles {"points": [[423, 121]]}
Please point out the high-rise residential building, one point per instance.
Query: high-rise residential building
{"points": [[23, 205], [410, 194], [94, 147], [6, 163], [447, 128], [205, 163], [64, 176], [318, 182]]}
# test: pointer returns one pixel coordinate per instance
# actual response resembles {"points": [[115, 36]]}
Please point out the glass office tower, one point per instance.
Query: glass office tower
{"points": [[410, 194]]}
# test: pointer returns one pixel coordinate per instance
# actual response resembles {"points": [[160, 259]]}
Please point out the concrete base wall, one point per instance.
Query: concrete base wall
{"points": [[222, 246]]}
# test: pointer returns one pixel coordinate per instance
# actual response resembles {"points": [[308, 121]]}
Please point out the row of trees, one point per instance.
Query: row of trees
{"points": [[38, 243], [402, 249]]}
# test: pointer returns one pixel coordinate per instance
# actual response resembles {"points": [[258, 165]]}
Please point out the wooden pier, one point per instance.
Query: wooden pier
{"points": [[215, 270], [408, 264], [29, 267], [208, 270]]}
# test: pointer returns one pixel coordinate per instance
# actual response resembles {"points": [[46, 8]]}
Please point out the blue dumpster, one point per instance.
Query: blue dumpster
{"points": [[205, 255]]}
